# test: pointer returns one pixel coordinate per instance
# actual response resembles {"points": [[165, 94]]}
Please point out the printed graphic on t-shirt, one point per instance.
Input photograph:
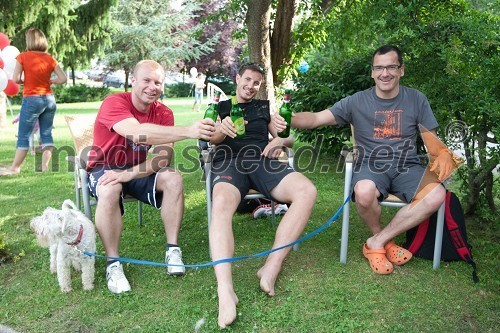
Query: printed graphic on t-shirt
{"points": [[387, 124], [138, 146]]}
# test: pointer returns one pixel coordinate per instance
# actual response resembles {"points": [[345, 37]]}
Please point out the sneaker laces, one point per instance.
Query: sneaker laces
{"points": [[174, 256], [116, 272]]}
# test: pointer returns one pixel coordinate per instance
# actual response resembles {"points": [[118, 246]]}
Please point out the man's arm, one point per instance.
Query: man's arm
{"points": [[161, 158], [157, 134], [306, 120], [219, 135]]}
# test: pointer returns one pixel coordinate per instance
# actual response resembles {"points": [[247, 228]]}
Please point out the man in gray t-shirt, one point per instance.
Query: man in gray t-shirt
{"points": [[386, 121]]}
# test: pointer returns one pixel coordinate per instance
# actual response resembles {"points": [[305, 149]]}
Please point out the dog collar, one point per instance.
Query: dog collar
{"points": [[78, 238]]}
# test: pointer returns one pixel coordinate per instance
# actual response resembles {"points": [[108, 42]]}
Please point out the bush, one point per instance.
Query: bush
{"points": [[226, 84], [71, 94], [178, 90], [328, 80], [79, 93]]}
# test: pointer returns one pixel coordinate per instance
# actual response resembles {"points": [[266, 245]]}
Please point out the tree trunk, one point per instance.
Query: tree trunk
{"points": [[258, 19], [282, 35]]}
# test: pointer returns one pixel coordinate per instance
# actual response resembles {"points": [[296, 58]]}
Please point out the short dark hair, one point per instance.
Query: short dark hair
{"points": [[386, 49], [253, 66]]}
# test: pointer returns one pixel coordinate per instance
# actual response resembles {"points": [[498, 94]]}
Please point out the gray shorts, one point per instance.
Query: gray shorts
{"points": [[402, 182], [143, 189], [260, 173]]}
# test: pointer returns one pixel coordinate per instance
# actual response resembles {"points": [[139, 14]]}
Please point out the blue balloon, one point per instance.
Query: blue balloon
{"points": [[303, 67]]}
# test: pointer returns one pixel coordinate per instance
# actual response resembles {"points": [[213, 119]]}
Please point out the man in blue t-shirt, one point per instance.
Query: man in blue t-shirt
{"points": [[386, 120], [252, 162]]}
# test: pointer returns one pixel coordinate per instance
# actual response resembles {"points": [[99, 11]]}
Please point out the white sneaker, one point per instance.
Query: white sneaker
{"points": [[262, 211], [174, 256], [117, 282], [280, 209]]}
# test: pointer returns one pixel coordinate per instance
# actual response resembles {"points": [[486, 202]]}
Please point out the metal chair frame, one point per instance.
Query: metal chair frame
{"points": [[82, 129]]}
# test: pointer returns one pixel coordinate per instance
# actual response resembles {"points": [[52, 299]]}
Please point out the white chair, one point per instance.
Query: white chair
{"points": [[211, 88], [81, 128], [391, 201]]}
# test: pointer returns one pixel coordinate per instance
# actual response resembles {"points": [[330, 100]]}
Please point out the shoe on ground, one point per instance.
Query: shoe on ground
{"points": [[262, 211], [117, 282], [173, 256], [280, 209]]}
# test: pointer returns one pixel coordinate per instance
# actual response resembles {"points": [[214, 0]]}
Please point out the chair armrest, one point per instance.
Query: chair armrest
{"points": [[348, 156], [76, 161]]}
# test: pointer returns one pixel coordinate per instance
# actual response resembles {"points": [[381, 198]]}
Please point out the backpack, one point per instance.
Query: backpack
{"points": [[420, 239]]}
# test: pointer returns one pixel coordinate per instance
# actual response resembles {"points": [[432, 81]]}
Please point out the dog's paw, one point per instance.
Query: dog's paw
{"points": [[66, 289], [88, 287]]}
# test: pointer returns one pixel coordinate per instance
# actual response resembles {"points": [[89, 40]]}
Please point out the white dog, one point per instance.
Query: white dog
{"points": [[66, 232]]}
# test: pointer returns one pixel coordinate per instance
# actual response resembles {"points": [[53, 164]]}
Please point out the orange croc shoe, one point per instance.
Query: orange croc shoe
{"points": [[378, 260], [396, 254]]}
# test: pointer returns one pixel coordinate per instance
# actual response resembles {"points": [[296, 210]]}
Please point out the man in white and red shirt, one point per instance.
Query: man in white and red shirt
{"points": [[126, 127]]}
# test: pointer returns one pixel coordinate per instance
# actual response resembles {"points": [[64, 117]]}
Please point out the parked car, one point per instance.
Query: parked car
{"points": [[95, 75], [79, 75], [114, 81]]}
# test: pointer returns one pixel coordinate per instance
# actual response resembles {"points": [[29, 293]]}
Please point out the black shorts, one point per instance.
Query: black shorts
{"points": [[143, 189], [260, 173], [402, 182]]}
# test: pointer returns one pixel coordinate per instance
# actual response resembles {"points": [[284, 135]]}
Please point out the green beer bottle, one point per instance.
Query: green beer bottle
{"points": [[286, 112], [211, 112], [237, 118]]}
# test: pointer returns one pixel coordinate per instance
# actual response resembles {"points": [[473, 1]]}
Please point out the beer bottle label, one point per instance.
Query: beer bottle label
{"points": [[239, 125]]}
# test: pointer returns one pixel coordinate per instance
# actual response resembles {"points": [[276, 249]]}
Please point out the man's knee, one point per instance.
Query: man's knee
{"points": [[435, 194], [109, 193], [304, 191], [225, 196], [169, 180], [365, 192]]}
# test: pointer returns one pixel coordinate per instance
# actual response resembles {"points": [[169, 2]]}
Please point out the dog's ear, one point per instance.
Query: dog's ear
{"points": [[68, 204]]}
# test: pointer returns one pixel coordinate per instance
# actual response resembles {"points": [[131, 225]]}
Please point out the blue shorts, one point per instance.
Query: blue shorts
{"points": [[33, 108], [143, 189], [402, 182], [261, 174]]}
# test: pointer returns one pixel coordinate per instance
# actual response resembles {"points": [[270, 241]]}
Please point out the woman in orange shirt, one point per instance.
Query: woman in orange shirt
{"points": [[38, 99]]}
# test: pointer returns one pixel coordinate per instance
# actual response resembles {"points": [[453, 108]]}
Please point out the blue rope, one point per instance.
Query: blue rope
{"points": [[220, 261]]}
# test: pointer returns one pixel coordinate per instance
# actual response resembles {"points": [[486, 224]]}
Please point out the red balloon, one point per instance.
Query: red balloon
{"points": [[12, 88], [4, 40]]}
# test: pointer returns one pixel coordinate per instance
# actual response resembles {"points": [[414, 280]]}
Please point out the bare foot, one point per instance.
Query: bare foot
{"points": [[9, 172], [373, 244], [227, 308], [268, 278]]}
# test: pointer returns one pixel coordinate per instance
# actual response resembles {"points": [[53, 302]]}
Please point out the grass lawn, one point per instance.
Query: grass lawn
{"points": [[315, 293]]}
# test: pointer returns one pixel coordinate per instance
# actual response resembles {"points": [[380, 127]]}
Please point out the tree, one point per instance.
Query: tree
{"points": [[211, 21], [92, 33], [151, 29], [76, 31]]}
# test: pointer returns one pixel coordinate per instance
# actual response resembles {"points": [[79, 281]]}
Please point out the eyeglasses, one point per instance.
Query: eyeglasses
{"points": [[390, 68]]}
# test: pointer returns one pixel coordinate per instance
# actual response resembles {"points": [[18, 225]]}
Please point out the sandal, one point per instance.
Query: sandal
{"points": [[378, 260], [396, 254]]}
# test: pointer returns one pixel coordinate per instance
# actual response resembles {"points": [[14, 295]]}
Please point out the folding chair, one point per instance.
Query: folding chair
{"points": [[211, 88], [81, 128], [207, 152], [391, 201]]}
